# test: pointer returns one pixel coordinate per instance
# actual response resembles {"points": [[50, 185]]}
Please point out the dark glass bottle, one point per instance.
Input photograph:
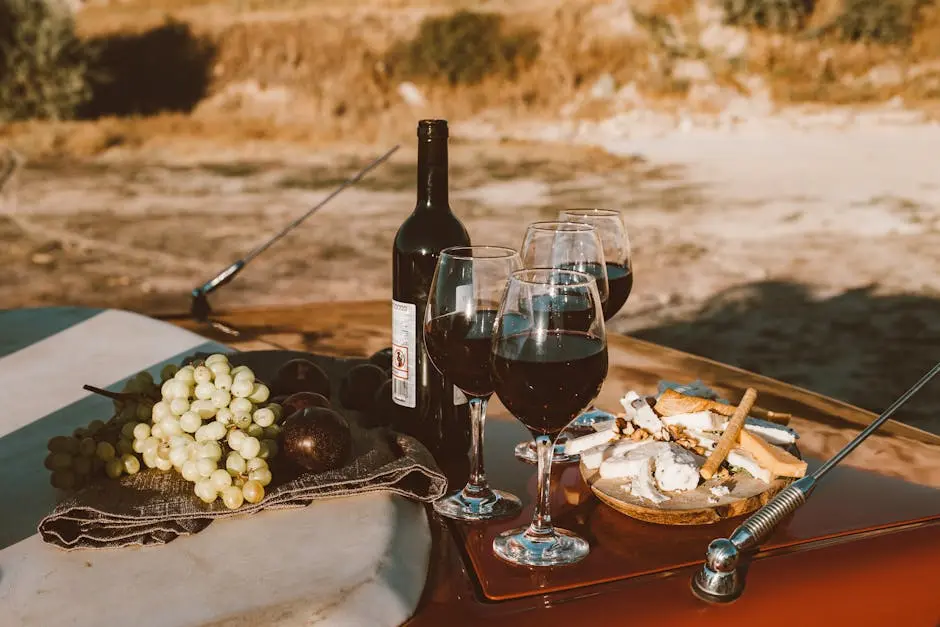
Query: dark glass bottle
{"points": [[428, 406]]}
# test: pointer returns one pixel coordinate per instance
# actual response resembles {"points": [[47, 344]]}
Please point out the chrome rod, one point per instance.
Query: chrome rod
{"points": [[719, 580]]}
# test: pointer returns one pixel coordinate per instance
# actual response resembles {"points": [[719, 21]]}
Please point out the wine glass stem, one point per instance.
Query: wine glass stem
{"points": [[541, 525], [477, 483]]}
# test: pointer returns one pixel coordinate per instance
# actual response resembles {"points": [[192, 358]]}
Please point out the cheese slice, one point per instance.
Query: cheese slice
{"points": [[577, 445], [779, 462]]}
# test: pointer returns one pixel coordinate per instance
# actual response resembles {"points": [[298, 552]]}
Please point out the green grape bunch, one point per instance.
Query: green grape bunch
{"points": [[214, 426], [209, 421], [103, 448]]}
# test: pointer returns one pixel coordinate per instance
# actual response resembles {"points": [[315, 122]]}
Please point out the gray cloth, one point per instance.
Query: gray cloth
{"points": [[154, 507]]}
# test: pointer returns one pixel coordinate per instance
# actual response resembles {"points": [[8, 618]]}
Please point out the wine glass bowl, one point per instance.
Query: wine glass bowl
{"points": [[618, 257], [612, 233], [465, 294], [567, 245], [546, 369]]}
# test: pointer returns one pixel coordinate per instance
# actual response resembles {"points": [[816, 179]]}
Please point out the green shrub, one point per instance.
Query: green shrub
{"points": [[43, 64], [165, 68], [463, 48], [878, 21], [773, 15]]}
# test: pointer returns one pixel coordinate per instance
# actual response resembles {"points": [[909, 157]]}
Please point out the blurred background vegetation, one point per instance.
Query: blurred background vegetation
{"points": [[255, 69]]}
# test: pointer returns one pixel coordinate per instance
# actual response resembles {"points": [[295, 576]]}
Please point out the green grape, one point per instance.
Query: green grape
{"points": [[261, 475], [125, 447], [144, 411], [168, 372], [131, 464], [205, 491], [94, 427], [63, 479], [59, 444], [127, 430], [253, 491], [232, 497], [129, 412], [264, 417], [105, 451], [114, 468], [215, 358], [87, 447], [260, 393], [58, 461]]}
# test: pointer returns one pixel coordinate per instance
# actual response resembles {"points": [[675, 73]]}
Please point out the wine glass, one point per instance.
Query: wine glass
{"points": [[568, 246], [613, 235], [548, 365], [465, 293]]}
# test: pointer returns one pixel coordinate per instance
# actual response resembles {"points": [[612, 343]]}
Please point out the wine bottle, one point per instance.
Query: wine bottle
{"points": [[426, 401]]}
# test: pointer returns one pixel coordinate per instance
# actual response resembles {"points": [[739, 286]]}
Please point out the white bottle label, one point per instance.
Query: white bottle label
{"points": [[404, 349]]}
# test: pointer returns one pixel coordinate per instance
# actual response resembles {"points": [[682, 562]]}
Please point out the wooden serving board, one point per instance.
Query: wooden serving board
{"points": [[747, 494]]}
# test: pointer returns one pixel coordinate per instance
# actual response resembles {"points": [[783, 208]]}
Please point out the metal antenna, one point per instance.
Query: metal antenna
{"points": [[200, 309], [719, 580]]}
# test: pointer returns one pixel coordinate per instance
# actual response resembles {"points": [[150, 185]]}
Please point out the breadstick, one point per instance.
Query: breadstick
{"points": [[730, 437]]}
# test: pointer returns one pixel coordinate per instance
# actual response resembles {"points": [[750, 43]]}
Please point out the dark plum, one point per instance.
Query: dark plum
{"points": [[317, 439], [383, 410], [302, 400], [357, 389], [300, 375], [382, 359]]}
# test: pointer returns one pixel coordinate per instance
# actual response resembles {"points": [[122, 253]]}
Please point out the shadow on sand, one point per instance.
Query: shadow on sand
{"points": [[860, 346]]}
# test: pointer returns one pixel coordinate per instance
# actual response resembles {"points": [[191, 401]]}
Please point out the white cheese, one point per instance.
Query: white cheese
{"points": [[575, 446], [772, 432], [628, 462], [643, 485], [621, 448], [647, 419], [719, 491], [707, 441], [627, 403], [743, 459], [592, 457], [699, 420], [676, 469]]}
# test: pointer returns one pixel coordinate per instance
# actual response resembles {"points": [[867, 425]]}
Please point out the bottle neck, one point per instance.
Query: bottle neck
{"points": [[432, 174]]}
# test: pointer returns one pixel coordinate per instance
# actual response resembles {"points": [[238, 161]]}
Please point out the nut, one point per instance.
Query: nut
{"points": [[640, 434], [699, 450]]}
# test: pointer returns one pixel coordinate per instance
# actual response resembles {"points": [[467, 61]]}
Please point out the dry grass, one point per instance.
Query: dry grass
{"points": [[311, 71]]}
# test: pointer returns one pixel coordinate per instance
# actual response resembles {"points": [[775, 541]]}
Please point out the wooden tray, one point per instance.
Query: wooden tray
{"points": [[692, 507]]}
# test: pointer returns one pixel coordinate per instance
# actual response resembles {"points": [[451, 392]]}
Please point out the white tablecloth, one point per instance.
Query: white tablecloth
{"points": [[349, 561]]}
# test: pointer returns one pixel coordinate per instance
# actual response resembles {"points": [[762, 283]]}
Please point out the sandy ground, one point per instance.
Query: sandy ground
{"points": [[808, 253]]}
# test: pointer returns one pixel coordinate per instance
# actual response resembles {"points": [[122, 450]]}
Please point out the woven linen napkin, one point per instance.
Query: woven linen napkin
{"points": [[154, 507]]}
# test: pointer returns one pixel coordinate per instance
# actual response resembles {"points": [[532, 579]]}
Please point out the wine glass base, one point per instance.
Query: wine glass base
{"points": [[490, 505], [591, 418], [560, 548], [526, 452]]}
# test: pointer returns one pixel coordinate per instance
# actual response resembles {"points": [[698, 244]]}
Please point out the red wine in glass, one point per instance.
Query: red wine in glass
{"points": [[619, 285], [458, 329], [546, 370], [462, 346], [549, 380]]}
